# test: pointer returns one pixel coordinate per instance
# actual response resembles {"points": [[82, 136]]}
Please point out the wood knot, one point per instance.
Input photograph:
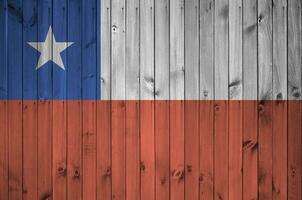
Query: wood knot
{"points": [[216, 107], [260, 18], [107, 172], [201, 178], [189, 168], [142, 166], [62, 170], [114, 28], [163, 180], [178, 174], [76, 174]]}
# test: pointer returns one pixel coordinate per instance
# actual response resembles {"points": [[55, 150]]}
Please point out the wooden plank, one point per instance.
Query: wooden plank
{"points": [[118, 68], [103, 149], [191, 117], [105, 49], [177, 150], [147, 50], [191, 105], [250, 93], [206, 157], [3, 151], [265, 90], [3, 50], [30, 149], [162, 149], [294, 107], [279, 93], [235, 94], [132, 150], [44, 149], [59, 150], [89, 149], [118, 144], [221, 150], [250, 149], [221, 107], [147, 148], [74, 149]]}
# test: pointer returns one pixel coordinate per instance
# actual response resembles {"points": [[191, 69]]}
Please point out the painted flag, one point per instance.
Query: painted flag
{"points": [[147, 99]]}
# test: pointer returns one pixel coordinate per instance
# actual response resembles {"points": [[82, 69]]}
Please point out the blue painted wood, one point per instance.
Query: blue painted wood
{"points": [[98, 57], [74, 53], [89, 49], [30, 55], [3, 49], [45, 72], [60, 31], [14, 49]]}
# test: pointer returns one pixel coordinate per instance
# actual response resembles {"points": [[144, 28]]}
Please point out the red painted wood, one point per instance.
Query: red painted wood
{"points": [[206, 157], [15, 149], [3, 151], [279, 150], [221, 154], [30, 150], [147, 150], [294, 150], [250, 150], [118, 129], [74, 150], [59, 154], [177, 173], [103, 150], [265, 125], [89, 149], [44, 149], [162, 149], [132, 150], [235, 150], [191, 118]]}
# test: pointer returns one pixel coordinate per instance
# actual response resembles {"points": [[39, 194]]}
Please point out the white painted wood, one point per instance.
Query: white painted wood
{"points": [[235, 50], [105, 49], [294, 49], [279, 49], [162, 68], [177, 68], [147, 80], [206, 40], [265, 50], [250, 71], [118, 69], [192, 50], [132, 50], [221, 49]]}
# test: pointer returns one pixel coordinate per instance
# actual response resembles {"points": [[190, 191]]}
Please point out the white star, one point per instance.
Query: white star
{"points": [[50, 50]]}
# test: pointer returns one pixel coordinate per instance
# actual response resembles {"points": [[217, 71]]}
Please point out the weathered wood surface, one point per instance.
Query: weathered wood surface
{"points": [[197, 99]]}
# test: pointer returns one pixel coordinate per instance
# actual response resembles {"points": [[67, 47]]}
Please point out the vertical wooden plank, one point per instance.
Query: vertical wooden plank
{"points": [[59, 157], [162, 147], [132, 103], [294, 96], [59, 162], [147, 150], [3, 50], [89, 149], [118, 70], [206, 129], [105, 49], [235, 95], [74, 155], [44, 149], [14, 66], [103, 150], [118, 149], [250, 93], [177, 91], [279, 93], [30, 149], [191, 115], [265, 96], [221, 94], [161, 107]]}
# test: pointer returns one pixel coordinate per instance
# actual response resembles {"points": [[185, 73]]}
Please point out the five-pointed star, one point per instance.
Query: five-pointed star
{"points": [[50, 50]]}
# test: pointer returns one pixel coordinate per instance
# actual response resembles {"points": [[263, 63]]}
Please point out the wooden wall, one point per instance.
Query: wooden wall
{"points": [[199, 99]]}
